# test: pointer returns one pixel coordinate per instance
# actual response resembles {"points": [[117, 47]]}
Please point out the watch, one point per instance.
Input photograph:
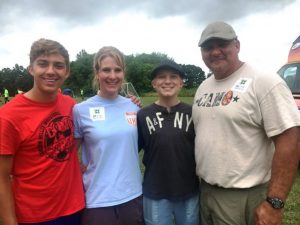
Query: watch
{"points": [[276, 203]]}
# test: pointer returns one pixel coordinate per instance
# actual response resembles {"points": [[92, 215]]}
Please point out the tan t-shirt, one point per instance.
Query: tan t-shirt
{"points": [[234, 119]]}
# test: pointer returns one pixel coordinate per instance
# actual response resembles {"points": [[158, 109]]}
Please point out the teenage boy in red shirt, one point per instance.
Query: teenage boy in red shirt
{"points": [[40, 179]]}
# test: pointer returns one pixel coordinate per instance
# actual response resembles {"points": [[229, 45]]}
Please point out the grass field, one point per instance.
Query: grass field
{"points": [[292, 207]]}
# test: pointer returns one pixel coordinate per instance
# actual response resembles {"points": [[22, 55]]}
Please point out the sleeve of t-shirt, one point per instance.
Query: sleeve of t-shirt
{"points": [[279, 110], [9, 138]]}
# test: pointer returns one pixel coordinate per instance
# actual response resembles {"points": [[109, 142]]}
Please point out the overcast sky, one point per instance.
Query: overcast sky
{"points": [[266, 28]]}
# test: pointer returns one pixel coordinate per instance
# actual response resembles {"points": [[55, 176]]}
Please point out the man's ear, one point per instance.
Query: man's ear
{"points": [[30, 70], [237, 45]]}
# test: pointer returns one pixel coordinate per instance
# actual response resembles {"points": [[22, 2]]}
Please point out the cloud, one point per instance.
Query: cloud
{"points": [[146, 26], [80, 12], [206, 10]]}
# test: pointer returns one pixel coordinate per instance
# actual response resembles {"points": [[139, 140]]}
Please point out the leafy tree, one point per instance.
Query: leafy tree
{"points": [[194, 76], [81, 73], [23, 80], [139, 67], [138, 75], [15, 78]]}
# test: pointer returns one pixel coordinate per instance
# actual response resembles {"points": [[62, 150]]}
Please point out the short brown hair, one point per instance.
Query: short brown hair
{"points": [[47, 47]]}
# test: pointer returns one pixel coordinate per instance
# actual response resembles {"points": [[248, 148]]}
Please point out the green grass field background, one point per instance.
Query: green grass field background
{"points": [[292, 207]]}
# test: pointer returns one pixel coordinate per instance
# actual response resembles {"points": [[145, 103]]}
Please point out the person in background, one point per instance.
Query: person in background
{"points": [[40, 177], [68, 91], [105, 126], [166, 134], [6, 95], [247, 130], [81, 94]]}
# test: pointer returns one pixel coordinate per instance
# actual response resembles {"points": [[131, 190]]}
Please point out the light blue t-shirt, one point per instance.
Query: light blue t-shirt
{"points": [[109, 149]]}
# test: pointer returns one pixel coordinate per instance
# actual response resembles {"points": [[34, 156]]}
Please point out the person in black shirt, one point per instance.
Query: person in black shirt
{"points": [[166, 134]]}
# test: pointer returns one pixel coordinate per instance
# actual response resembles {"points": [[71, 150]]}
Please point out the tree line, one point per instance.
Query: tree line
{"points": [[138, 69]]}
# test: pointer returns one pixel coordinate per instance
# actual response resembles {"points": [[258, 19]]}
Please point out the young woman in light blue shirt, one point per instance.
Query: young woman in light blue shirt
{"points": [[105, 126]]}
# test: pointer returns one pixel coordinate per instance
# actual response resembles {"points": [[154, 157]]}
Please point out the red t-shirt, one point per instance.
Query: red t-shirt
{"points": [[46, 176]]}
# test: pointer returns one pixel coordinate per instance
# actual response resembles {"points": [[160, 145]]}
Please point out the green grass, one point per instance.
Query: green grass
{"points": [[292, 206]]}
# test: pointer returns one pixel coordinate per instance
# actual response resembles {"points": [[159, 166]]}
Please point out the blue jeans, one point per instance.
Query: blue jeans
{"points": [[164, 212]]}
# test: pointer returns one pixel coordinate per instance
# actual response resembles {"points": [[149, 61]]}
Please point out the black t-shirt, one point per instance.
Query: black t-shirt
{"points": [[167, 139]]}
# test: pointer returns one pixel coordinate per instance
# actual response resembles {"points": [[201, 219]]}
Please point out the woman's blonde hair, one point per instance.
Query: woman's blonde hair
{"points": [[106, 51]]}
